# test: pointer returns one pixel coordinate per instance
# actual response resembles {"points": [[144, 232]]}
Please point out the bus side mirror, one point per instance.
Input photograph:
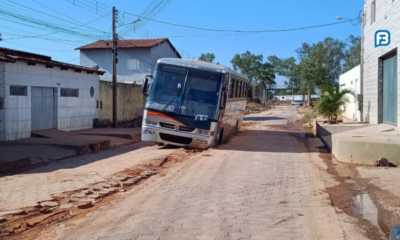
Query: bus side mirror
{"points": [[145, 85]]}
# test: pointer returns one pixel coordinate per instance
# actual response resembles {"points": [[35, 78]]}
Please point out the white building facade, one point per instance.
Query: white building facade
{"points": [[381, 93], [351, 81], [136, 57], [296, 97], [37, 93]]}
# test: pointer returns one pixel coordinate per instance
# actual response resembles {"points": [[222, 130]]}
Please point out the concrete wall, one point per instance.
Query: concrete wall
{"points": [[2, 103], [70, 113], [147, 58], [130, 102], [351, 81], [387, 18]]}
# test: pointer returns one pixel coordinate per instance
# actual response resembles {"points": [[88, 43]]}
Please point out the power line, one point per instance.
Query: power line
{"points": [[247, 31]]}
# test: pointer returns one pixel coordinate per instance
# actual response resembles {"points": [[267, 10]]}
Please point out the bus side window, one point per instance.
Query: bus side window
{"points": [[234, 88], [231, 88], [239, 89]]}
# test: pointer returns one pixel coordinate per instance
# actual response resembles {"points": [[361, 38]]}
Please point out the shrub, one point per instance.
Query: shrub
{"points": [[331, 102]]}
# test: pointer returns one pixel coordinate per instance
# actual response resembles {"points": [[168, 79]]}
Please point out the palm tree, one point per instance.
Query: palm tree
{"points": [[331, 102]]}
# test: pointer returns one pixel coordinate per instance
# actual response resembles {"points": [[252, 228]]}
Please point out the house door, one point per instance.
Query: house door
{"points": [[389, 103], [42, 108]]}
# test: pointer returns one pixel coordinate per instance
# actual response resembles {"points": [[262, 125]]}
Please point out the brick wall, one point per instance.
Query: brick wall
{"points": [[387, 18], [2, 103]]}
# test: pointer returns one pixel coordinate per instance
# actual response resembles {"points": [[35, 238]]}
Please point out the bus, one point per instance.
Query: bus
{"points": [[193, 104]]}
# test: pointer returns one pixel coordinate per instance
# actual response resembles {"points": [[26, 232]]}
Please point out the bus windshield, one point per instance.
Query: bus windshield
{"points": [[185, 91]]}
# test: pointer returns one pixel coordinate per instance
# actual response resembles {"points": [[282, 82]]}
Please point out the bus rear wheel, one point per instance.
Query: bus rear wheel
{"points": [[236, 129], [218, 139]]}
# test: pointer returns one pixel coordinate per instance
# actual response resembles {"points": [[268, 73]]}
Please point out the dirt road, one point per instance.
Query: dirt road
{"points": [[264, 184]]}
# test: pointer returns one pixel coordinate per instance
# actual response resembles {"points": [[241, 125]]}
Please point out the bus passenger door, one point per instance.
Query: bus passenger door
{"points": [[223, 102]]}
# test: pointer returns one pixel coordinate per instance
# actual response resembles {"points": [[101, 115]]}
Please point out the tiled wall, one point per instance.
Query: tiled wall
{"points": [[70, 113], [387, 18], [2, 107]]}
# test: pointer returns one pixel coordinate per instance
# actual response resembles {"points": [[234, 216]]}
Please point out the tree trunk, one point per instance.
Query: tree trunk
{"points": [[254, 91], [309, 102]]}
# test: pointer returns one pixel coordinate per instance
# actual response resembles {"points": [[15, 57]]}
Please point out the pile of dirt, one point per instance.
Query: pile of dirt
{"points": [[253, 107], [247, 125]]}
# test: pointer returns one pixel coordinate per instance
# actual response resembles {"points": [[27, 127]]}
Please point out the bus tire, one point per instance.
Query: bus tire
{"points": [[220, 137], [235, 130]]}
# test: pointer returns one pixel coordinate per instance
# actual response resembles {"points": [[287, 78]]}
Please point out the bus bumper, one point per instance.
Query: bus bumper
{"points": [[162, 135]]}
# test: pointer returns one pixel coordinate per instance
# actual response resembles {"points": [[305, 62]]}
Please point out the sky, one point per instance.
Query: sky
{"points": [[56, 27]]}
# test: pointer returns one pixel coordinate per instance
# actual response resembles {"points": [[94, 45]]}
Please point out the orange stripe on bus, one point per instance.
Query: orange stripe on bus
{"points": [[150, 113]]}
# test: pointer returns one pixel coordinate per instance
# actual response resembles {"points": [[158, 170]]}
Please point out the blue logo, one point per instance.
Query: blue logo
{"points": [[382, 38]]}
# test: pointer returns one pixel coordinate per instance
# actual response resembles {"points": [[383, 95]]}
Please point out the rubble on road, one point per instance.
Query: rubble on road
{"points": [[74, 203], [383, 162], [253, 107], [85, 205], [49, 204]]}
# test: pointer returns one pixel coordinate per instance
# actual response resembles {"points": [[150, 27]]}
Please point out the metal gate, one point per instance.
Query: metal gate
{"points": [[42, 108], [389, 108]]}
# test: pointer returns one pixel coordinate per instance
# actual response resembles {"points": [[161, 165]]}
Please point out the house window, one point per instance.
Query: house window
{"points": [[373, 11], [18, 90], [132, 64], [69, 92]]}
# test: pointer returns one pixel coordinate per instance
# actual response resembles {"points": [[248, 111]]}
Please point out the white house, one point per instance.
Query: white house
{"points": [[136, 57], [38, 93], [351, 81], [380, 88], [296, 97]]}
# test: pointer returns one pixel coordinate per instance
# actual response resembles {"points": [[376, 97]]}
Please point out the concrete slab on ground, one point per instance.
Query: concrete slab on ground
{"points": [[368, 144], [35, 154], [81, 144], [50, 133], [126, 133], [53, 144]]}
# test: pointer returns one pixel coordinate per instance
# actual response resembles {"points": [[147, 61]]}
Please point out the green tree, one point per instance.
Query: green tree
{"points": [[329, 54], [207, 57], [312, 75], [288, 68], [265, 76], [352, 55], [332, 102], [248, 64]]}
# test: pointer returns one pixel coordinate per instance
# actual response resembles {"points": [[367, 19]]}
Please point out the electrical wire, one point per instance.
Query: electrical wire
{"points": [[247, 31]]}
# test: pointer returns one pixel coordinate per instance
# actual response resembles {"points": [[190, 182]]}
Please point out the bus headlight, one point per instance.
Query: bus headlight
{"points": [[203, 132], [150, 122]]}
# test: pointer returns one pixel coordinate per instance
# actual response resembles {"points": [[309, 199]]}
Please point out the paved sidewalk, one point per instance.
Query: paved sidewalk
{"points": [[53, 144], [39, 184], [262, 185]]}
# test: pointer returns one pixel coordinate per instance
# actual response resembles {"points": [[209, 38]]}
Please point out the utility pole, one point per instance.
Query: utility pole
{"points": [[114, 71]]}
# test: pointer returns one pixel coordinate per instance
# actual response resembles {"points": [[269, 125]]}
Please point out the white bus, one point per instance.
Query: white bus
{"points": [[193, 104]]}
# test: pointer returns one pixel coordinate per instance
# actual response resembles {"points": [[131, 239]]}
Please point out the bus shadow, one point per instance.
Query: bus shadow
{"points": [[262, 118], [271, 141]]}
